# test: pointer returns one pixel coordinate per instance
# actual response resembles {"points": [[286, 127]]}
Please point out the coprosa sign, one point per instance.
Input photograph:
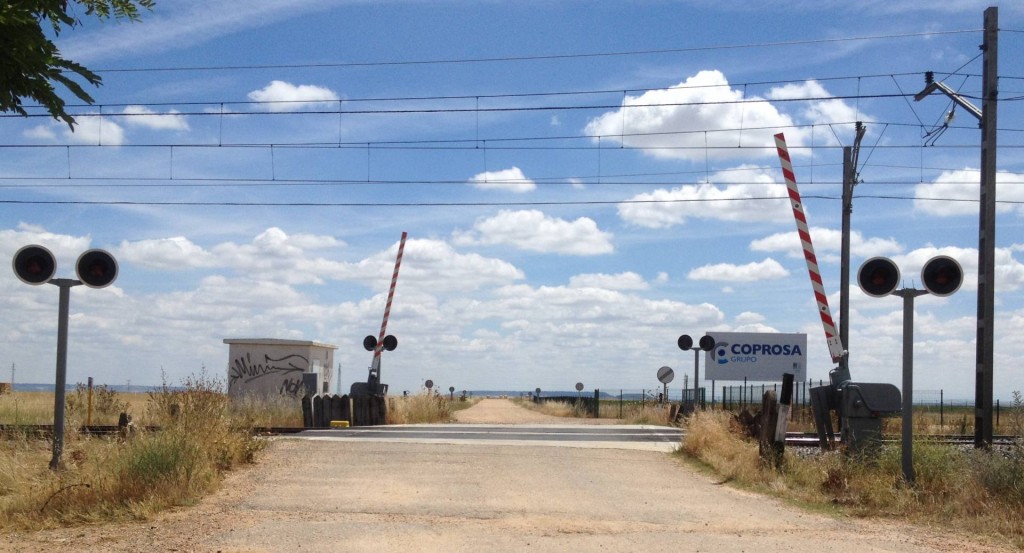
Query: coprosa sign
{"points": [[757, 356]]}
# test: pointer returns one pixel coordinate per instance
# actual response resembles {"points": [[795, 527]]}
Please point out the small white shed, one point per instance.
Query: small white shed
{"points": [[271, 366]]}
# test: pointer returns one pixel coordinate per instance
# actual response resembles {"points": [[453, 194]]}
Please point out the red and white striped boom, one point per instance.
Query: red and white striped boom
{"points": [[387, 308], [835, 345]]}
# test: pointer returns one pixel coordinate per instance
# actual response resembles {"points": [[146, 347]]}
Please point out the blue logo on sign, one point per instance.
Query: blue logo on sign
{"points": [[719, 354]]}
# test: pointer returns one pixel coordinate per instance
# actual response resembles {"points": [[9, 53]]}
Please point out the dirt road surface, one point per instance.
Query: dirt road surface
{"points": [[343, 496]]}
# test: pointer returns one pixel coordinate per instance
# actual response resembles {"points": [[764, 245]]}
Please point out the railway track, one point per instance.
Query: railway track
{"points": [[810, 439], [46, 430], [793, 439]]}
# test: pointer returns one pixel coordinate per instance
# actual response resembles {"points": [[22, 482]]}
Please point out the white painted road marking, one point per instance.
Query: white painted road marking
{"points": [[638, 437]]}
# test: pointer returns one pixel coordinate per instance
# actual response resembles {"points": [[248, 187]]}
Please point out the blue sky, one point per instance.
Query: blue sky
{"points": [[581, 182]]}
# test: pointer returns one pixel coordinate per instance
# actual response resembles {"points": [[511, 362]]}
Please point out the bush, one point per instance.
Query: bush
{"points": [[105, 402]]}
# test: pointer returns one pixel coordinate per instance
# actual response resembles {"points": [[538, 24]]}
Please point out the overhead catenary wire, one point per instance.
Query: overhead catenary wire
{"points": [[488, 143], [180, 203], [412, 111], [476, 97], [492, 142], [541, 57]]}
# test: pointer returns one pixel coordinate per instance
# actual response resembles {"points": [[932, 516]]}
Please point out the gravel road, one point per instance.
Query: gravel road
{"points": [[344, 496]]}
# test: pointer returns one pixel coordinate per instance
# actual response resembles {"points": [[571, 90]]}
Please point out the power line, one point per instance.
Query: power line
{"points": [[543, 57], [477, 109], [510, 95], [467, 204], [497, 142]]}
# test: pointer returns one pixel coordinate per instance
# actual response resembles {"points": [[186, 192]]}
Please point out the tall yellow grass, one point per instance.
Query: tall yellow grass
{"points": [[973, 491], [424, 407], [37, 407], [111, 478]]}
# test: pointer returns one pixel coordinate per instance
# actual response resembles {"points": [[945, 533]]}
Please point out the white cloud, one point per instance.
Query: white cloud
{"points": [[584, 313], [534, 231], [40, 132], [174, 253], [144, 117], [671, 123], [743, 198], [173, 27], [433, 267], [93, 129], [955, 193], [621, 281], [511, 180], [282, 96], [64, 247], [826, 240], [751, 272], [821, 111], [749, 317], [274, 254]]}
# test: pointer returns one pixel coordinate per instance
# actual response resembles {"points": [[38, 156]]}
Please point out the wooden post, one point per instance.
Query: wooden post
{"points": [[318, 412], [337, 408], [346, 410], [307, 412], [328, 406], [771, 453], [88, 415]]}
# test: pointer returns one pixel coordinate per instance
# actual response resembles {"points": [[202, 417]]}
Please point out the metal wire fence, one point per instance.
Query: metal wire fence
{"points": [[748, 396]]}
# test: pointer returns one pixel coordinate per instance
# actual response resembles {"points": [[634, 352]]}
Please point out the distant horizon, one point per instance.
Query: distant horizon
{"points": [[922, 396]]}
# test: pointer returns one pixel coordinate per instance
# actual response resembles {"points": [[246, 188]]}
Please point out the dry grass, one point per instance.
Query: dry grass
{"points": [[268, 411], [424, 408], [111, 478], [565, 409], [645, 413], [972, 491], [37, 407]]}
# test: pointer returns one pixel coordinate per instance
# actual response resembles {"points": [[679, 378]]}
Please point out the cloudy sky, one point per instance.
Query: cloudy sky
{"points": [[581, 182]]}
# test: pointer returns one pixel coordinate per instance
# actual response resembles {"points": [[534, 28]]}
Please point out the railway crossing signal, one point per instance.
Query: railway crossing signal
{"points": [[96, 268], [941, 276], [878, 277], [35, 265], [389, 343]]}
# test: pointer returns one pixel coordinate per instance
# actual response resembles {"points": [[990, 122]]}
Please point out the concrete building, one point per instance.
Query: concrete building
{"points": [[270, 366]]}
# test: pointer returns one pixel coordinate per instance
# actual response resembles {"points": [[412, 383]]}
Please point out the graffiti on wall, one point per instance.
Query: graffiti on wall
{"points": [[245, 370]]}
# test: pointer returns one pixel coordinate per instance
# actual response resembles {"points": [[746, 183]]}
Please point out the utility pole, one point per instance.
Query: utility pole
{"points": [[850, 155], [985, 342], [987, 234]]}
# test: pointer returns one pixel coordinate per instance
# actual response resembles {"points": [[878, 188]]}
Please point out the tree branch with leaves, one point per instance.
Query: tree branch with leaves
{"points": [[30, 63]]}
